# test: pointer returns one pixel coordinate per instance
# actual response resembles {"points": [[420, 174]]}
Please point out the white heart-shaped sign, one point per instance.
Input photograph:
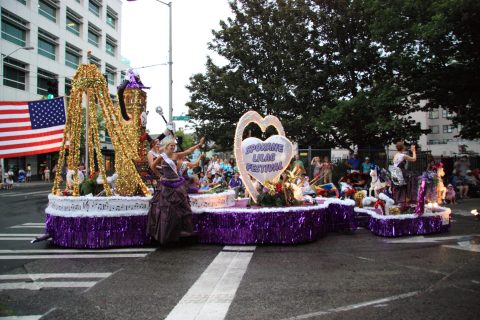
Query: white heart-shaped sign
{"points": [[246, 119], [266, 160]]}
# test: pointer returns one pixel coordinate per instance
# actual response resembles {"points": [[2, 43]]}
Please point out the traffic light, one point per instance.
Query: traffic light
{"points": [[52, 89]]}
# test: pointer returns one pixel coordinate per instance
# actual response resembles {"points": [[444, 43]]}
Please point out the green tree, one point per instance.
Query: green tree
{"points": [[339, 73]]}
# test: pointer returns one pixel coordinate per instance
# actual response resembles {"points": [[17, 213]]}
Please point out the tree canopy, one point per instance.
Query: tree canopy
{"points": [[343, 72]]}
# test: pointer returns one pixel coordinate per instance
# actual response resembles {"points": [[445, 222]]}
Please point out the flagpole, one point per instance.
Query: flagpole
{"points": [[2, 163], [86, 135]]}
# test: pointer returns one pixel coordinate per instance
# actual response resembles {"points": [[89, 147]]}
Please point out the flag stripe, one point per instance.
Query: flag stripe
{"points": [[13, 115], [32, 151], [32, 136], [13, 111], [12, 103], [29, 133], [31, 127], [10, 129], [31, 144], [14, 120]]}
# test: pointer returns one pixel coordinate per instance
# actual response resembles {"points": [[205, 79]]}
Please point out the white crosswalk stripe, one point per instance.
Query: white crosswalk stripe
{"points": [[31, 280]]}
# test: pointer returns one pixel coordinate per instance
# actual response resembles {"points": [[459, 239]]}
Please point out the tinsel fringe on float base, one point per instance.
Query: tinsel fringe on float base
{"points": [[220, 226], [273, 225], [97, 232], [405, 224]]}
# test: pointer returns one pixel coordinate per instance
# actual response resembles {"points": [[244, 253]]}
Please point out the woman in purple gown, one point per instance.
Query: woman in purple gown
{"points": [[170, 215]]}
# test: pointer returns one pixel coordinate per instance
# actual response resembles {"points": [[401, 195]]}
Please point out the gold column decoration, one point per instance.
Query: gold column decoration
{"points": [[89, 80], [132, 129]]}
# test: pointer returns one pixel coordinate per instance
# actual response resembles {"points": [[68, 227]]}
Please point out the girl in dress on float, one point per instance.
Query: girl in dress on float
{"points": [[400, 160], [170, 214]]}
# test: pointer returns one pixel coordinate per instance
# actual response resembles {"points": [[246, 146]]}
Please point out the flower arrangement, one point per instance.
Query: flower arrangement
{"points": [[282, 193], [90, 185]]}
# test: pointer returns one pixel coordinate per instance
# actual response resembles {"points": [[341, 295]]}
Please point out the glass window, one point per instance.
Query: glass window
{"points": [[73, 26], [93, 38], [68, 86], [94, 8], [448, 128], [111, 17], [46, 82], [13, 32], [110, 47], [446, 114], [47, 44], [433, 129], [110, 74], [96, 61], [14, 73], [22, 1], [433, 114], [47, 10], [72, 56]]}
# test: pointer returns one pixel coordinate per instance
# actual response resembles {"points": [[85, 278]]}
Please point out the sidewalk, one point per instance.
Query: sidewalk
{"points": [[25, 185]]}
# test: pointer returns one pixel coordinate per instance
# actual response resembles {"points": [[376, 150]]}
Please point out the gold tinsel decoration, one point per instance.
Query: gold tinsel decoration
{"points": [[89, 80]]}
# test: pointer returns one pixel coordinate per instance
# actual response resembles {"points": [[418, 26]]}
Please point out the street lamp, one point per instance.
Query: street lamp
{"points": [[170, 62], [19, 48], [2, 164]]}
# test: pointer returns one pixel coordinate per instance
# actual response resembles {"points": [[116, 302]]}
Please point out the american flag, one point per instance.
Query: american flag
{"points": [[28, 128]]}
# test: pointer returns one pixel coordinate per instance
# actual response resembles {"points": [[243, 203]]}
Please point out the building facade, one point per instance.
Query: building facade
{"points": [[441, 140], [42, 44]]}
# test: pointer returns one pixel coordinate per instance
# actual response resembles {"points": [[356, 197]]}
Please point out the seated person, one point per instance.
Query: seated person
{"points": [[306, 188], [458, 181], [218, 178], [346, 187], [450, 195], [236, 184], [204, 186], [193, 184]]}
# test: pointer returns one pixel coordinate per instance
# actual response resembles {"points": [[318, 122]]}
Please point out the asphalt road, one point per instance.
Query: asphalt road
{"points": [[357, 276]]}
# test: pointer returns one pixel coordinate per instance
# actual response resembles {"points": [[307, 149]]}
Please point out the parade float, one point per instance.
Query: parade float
{"points": [[277, 213]]}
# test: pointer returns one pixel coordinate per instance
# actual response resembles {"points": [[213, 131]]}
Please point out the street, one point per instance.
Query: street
{"points": [[341, 276]]}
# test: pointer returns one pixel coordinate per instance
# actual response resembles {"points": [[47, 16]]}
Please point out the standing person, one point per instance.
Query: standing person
{"points": [[298, 164], [400, 160], [326, 170], [29, 173], [316, 166], [353, 164], [170, 215], [367, 166], [46, 173], [152, 155]]}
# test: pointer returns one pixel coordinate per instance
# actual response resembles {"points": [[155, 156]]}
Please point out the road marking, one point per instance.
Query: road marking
{"points": [[21, 226], [34, 224], [72, 256], [16, 238], [78, 250], [465, 245], [37, 276], [422, 239], [21, 317], [46, 284], [211, 295], [20, 235], [355, 306]]}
